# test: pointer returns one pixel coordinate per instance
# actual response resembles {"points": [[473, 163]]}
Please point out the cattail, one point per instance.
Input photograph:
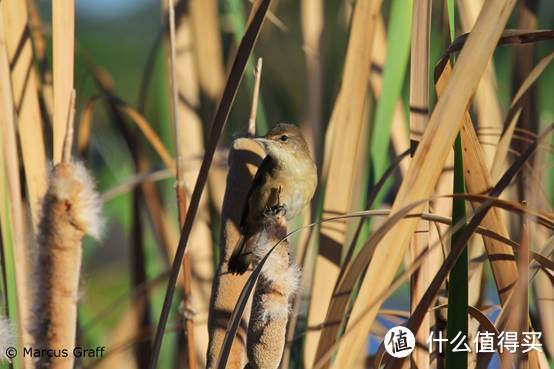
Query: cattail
{"points": [[70, 209], [7, 339], [244, 158], [278, 282]]}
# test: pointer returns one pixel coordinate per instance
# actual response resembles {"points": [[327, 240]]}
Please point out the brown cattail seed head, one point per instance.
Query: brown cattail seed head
{"points": [[70, 209]]}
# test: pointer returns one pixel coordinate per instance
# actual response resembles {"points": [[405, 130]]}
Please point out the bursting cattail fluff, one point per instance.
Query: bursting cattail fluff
{"points": [[278, 282], [7, 338]]}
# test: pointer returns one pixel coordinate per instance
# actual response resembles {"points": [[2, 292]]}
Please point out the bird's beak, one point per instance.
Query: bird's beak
{"points": [[263, 142]]}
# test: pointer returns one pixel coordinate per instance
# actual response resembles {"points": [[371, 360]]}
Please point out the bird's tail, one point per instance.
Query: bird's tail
{"points": [[239, 261]]}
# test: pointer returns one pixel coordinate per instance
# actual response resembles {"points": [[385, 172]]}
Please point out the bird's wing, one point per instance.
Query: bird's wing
{"points": [[259, 179]]}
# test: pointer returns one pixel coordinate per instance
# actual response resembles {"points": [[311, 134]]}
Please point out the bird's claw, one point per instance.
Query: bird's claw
{"points": [[186, 310], [275, 210]]}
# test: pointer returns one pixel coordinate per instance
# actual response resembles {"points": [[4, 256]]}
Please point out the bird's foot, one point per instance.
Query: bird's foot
{"points": [[187, 310], [276, 210]]}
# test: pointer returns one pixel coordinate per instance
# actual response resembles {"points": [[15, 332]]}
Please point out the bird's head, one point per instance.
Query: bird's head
{"points": [[284, 140]]}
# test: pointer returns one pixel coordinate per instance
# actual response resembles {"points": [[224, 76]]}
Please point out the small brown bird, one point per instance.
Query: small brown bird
{"points": [[284, 183]]}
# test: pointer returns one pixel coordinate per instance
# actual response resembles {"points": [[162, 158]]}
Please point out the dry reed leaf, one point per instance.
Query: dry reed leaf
{"points": [[44, 79], [12, 207], [477, 314], [419, 74], [63, 34], [489, 113], [207, 47], [244, 159], [85, 126], [543, 261], [425, 168], [508, 36], [312, 27], [342, 140], [134, 181], [191, 140], [149, 134], [544, 300], [523, 64], [25, 87], [478, 181], [448, 221], [419, 115], [441, 205], [367, 249], [140, 121], [349, 275], [416, 318], [516, 108]]}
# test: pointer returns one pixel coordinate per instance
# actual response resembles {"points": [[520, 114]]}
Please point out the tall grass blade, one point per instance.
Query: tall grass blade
{"points": [[457, 322], [457, 318], [399, 32], [399, 132]]}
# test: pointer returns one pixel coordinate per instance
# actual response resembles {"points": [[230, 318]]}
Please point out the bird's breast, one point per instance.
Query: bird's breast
{"points": [[297, 191]]}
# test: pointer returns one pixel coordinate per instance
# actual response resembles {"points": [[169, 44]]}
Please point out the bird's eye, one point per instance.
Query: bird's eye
{"points": [[284, 138]]}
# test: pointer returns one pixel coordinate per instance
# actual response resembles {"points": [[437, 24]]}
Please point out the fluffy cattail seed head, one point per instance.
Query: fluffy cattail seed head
{"points": [[7, 338]]}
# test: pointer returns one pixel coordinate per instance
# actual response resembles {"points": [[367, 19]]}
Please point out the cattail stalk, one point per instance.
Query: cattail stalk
{"points": [[255, 96], [278, 282], [244, 158], [70, 210], [181, 190]]}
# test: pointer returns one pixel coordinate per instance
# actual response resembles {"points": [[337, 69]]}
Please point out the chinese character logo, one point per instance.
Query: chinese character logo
{"points": [[399, 341]]}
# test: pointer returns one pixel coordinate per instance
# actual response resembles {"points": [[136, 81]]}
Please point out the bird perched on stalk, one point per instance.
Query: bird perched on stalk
{"points": [[284, 184]]}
